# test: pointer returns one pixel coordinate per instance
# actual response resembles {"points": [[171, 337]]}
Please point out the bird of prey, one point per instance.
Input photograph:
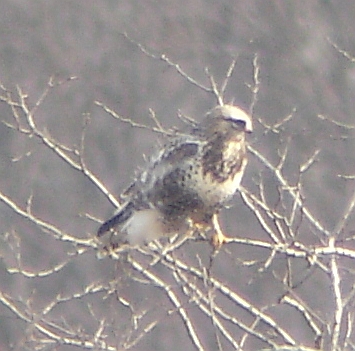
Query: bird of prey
{"points": [[186, 183]]}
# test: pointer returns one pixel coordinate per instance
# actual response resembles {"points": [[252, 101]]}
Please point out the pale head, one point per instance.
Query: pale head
{"points": [[234, 114]]}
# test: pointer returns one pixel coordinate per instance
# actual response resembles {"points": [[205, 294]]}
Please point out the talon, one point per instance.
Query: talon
{"points": [[218, 238]]}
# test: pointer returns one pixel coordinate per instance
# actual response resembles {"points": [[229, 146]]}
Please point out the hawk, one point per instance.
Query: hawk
{"points": [[186, 183]]}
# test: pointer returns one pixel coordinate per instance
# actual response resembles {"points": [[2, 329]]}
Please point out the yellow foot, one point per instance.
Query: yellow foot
{"points": [[218, 238]]}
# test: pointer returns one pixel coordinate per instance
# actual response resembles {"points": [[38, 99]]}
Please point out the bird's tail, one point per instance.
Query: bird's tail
{"points": [[122, 216]]}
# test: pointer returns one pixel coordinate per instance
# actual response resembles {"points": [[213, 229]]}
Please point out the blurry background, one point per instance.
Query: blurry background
{"points": [[300, 71]]}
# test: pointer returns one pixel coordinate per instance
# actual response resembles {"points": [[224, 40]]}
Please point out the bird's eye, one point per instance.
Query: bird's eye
{"points": [[238, 124]]}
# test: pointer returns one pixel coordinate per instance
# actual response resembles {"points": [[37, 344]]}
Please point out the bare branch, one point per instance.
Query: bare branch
{"points": [[256, 85], [228, 76], [338, 313], [338, 124], [341, 51], [166, 60], [131, 122]]}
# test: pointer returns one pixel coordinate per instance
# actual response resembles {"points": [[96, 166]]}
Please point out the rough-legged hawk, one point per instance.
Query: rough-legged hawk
{"points": [[186, 183]]}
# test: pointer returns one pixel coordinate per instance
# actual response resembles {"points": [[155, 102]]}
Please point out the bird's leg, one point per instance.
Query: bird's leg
{"points": [[218, 238]]}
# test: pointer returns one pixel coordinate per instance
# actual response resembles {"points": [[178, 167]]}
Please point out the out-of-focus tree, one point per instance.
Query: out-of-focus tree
{"points": [[70, 144]]}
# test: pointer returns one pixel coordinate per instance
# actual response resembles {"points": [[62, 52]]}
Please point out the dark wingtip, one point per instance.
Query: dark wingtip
{"points": [[103, 229], [108, 225], [119, 218]]}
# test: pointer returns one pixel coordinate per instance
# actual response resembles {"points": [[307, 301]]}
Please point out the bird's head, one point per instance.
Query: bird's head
{"points": [[237, 117]]}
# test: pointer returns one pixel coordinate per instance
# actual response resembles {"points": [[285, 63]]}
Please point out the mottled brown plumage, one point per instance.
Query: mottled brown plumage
{"points": [[186, 183]]}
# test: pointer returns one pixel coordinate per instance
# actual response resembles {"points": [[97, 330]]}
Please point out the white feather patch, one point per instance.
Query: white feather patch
{"points": [[144, 226]]}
